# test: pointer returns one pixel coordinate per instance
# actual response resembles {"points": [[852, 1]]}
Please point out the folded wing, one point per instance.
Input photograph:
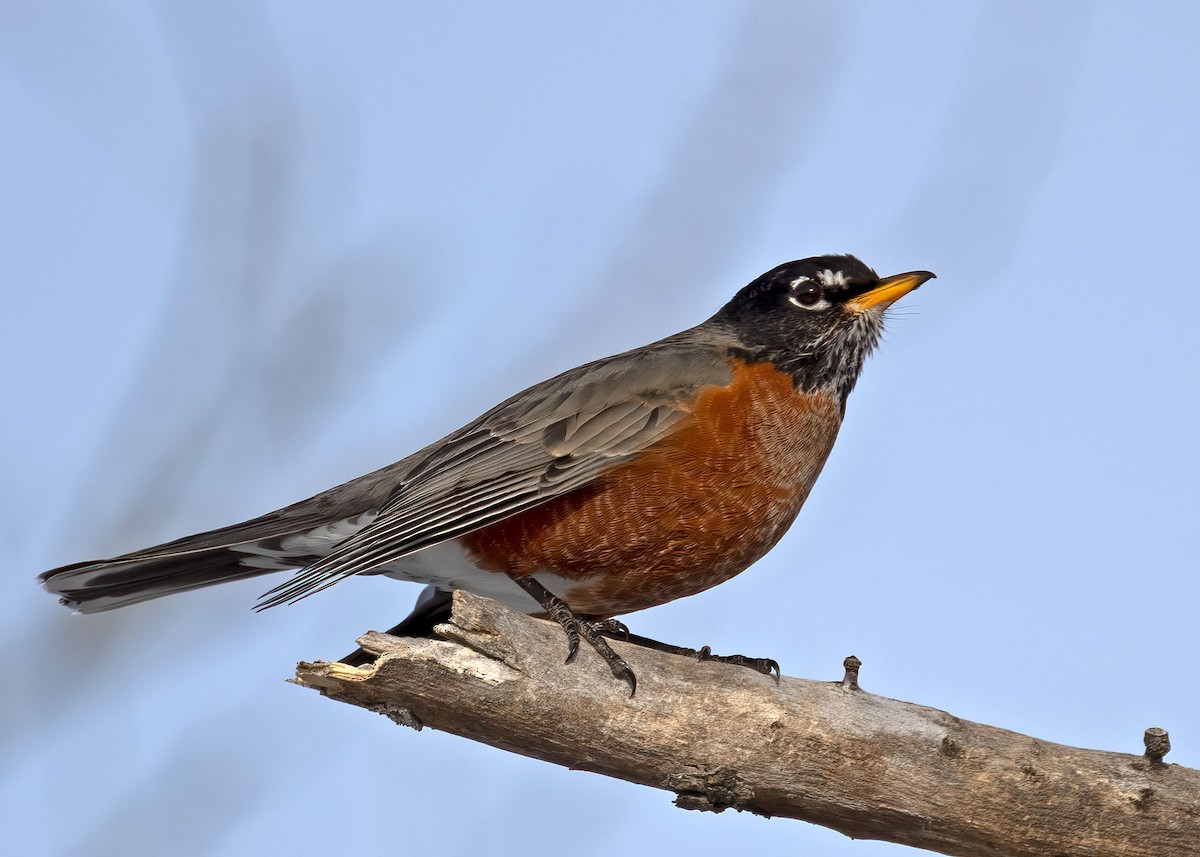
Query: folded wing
{"points": [[545, 442]]}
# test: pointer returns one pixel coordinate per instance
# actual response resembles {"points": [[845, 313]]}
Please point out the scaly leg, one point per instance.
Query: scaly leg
{"points": [[580, 626]]}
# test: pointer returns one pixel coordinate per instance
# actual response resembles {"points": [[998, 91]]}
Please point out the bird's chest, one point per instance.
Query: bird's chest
{"points": [[692, 511]]}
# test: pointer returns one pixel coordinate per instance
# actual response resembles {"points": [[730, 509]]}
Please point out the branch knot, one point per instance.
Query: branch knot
{"points": [[709, 790]]}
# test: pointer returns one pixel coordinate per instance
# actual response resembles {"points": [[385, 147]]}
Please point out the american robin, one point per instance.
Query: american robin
{"points": [[618, 485]]}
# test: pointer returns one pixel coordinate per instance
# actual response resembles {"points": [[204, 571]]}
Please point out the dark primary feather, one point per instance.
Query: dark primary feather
{"points": [[542, 443]]}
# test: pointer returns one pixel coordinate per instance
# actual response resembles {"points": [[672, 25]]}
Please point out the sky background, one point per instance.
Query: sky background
{"points": [[254, 249]]}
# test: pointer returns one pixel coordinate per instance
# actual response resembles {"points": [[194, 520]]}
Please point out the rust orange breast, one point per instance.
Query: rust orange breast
{"points": [[692, 511]]}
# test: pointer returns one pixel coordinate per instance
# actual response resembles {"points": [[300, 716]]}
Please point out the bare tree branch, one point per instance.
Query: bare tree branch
{"points": [[723, 736]]}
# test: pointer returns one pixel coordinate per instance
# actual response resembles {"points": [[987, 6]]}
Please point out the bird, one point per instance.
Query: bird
{"points": [[619, 485]]}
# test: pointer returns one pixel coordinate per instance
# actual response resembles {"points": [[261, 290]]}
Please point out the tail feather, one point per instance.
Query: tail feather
{"points": [[291, 537], [220, 556], [91, 587]]}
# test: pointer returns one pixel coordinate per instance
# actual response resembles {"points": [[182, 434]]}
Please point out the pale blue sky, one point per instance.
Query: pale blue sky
{"points": [[254, 249]]}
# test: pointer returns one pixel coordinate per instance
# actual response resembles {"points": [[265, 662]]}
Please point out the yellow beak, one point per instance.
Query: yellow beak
{"points": [[889, 290]]}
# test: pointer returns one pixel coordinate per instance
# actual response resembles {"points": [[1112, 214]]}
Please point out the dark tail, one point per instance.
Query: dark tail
{"points": [[90, 587], [275, 542], [291, 537]]}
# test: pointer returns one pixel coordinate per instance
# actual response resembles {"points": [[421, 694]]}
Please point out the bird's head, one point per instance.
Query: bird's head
{"points": [[817, 318]]}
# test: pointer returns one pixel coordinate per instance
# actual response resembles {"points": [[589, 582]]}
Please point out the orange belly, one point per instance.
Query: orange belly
{"points": [[692, 511]]}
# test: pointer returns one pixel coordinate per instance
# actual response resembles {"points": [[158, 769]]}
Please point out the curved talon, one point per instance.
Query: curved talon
{"points": [[626, 675], [572, 648], [613, 628], [772, 666], [619, 668]]}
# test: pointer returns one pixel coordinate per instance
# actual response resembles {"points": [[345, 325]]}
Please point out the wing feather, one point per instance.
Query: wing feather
{"points": [[547, 441]]}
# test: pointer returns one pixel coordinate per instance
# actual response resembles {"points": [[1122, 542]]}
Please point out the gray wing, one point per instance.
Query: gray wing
{"points": [[551, 439]]}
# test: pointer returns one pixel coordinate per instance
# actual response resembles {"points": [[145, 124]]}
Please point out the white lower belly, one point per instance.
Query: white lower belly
{"points": [[447, 566]]}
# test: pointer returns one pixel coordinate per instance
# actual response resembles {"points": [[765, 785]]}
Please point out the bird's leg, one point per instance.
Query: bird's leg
{"points": [[580, 626], [766, 666]]}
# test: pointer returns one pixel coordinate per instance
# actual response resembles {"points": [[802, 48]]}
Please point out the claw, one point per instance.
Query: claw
{"points": [[626, 675], [612, 628], [619, 668], [579, 626]]}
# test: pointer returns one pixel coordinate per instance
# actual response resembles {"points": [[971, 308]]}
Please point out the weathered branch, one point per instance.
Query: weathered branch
{"points": [[723, 736]]}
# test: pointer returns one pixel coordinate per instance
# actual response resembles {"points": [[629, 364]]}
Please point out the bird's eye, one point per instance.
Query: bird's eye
{"points": [[807, 296]]}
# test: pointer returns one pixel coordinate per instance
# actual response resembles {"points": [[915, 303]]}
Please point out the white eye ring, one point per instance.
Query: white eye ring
{"points": [[819, 305]]}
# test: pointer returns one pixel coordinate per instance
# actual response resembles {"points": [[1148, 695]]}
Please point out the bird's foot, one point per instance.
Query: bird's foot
{"points": [[766, 666], [581, 627]]}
